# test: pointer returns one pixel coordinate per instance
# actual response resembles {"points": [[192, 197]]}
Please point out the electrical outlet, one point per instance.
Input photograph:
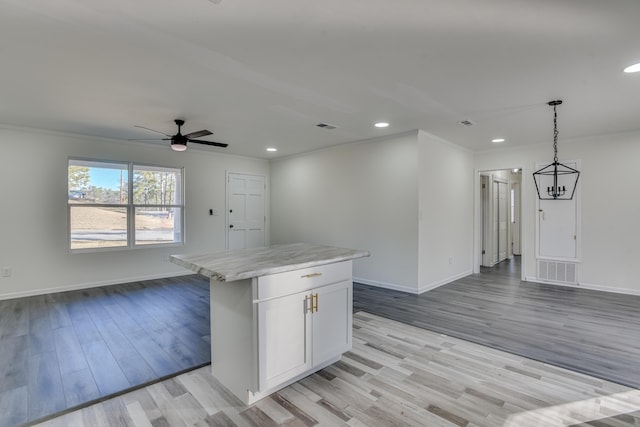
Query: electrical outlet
{"points": [[450, 260], [165, 258], [6, 271]]}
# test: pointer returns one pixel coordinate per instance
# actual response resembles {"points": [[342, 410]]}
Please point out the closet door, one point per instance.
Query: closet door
{"points": [[558, 226]]}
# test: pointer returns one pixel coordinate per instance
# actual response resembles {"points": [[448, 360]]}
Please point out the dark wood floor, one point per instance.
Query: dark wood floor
{"points": [[61, 350], [596, 333]]}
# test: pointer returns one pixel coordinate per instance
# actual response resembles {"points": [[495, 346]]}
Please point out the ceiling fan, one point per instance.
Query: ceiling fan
{"points": [[179, 141]]}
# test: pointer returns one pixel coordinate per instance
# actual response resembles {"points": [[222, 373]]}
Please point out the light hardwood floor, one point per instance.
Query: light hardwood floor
{"points": [[396, 375]]}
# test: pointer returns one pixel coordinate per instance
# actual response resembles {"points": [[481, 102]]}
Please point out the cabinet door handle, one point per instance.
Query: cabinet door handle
{"points": [[308, 304], [311, 303], [309, 276]]}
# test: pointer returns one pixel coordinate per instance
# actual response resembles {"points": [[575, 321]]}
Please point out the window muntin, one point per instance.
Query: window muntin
{"points": [[103, 216]]}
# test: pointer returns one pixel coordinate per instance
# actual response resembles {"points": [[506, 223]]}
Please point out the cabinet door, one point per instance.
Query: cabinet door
{"points": [[332, 321], [284, 345]]}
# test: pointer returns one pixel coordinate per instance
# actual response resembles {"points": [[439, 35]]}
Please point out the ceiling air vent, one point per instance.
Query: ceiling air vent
{"points": [[326, 126], [466, 122]]}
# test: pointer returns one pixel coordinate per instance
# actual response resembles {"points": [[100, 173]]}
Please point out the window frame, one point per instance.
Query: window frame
{"points": [[129, 207]]}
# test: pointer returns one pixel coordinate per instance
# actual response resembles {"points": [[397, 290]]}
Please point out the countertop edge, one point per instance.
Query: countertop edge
{"points": [[290, 267], [249, 274]]}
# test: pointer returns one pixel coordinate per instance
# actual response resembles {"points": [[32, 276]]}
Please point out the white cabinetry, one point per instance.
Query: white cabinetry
{"points": [[270, 331], [332, 322], [284, 347], [302, 330]]}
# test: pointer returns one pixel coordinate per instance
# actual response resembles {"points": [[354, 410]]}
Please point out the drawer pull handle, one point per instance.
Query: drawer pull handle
{"points": [[316, 305], [309, 276]]}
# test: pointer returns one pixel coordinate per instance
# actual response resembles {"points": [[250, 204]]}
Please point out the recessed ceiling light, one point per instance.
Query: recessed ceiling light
{"points": [[381, 125], [272, 149], [635, 68], [497, 140]]}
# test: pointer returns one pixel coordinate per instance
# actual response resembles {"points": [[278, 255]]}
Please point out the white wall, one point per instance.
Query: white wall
{"points": [[446, 212], [33, 215], [360, 195], [610, 205]]}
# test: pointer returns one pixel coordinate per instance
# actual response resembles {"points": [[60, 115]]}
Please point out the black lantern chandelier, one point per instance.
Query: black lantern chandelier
{"points": [[556, 177]]}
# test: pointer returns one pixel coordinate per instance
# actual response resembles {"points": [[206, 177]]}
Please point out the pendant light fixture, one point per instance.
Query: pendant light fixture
{"points": [[556, 181]]}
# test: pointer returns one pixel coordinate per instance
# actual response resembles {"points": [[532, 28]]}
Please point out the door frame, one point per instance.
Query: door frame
{"points": [[477, 215]]}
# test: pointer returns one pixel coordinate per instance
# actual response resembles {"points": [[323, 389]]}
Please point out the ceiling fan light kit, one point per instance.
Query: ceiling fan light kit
{"points": [[552, 172], [178, 146]]}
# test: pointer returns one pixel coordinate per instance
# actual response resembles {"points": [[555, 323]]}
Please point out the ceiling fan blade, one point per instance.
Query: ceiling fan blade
{"points": [[199, 133], [152, 130], [149, 139], [217, 144]]}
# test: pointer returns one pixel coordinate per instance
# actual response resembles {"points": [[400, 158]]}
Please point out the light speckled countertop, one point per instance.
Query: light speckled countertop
{"points": [[226, 266]]}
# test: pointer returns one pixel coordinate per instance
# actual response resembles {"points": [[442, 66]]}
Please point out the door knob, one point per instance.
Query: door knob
{"points": [[230, 225]]}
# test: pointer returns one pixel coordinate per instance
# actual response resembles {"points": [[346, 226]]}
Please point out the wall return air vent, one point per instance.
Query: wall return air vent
{"points": [[560, 272]]}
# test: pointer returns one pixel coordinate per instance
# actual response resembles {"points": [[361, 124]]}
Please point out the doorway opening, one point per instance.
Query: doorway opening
{"points": [[498, 219]]}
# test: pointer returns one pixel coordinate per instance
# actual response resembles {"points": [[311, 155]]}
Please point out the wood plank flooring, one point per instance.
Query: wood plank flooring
{"points": [[596, 333], [396, 375], [61, 350]]}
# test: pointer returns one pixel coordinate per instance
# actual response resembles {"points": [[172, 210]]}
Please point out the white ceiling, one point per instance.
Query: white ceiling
{"points": [[262, 73]]}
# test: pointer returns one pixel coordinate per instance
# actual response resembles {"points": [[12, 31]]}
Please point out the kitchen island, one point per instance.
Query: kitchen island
{"points": [[278, 313]]}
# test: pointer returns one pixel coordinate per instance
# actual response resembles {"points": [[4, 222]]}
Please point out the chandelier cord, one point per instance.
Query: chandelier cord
{"points": [[556, 176], [555, 135]]}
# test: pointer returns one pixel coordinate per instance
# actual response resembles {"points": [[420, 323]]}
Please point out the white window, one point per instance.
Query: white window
{"points": [[123, 205]]}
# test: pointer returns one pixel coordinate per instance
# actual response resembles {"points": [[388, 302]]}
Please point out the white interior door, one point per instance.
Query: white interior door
{"points": [[503, 220], [500, 220], [245, 211], [557, 229], [515, 225], [495, 220], [557, 225], [487, 258]]}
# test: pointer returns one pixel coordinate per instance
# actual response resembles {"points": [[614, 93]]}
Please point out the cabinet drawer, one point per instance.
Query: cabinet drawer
{"points": [[280, 284]]}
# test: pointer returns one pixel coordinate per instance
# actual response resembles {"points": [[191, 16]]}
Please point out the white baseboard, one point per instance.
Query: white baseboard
{"points": [[450, 279], [385, 285], [79, 286], [589, 286], [411, 290]]}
